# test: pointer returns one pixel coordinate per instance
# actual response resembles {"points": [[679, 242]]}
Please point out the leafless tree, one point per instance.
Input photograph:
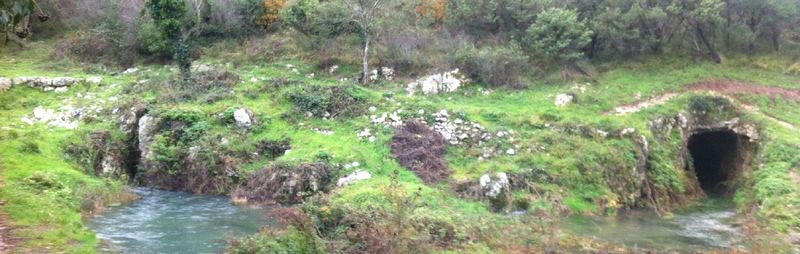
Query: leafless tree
{"points": [[364, 13]]}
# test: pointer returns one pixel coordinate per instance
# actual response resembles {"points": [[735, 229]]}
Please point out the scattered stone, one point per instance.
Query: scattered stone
{"points": [[564, 99], [66, 117], [356, 176], [627, 131], [388, 73], [373, 75], [333, 69], [366, 134], [94, 80], [510, 151], [130, 71], [324, 132], [62, 89], [5, 84]]}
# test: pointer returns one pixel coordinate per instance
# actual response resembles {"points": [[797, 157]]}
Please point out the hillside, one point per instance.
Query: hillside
{"points": [[393, 126]]}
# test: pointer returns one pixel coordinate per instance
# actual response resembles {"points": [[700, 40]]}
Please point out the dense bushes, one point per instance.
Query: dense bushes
{"points": [[421, 149], [328, 101], [557, 34], [495, 66], [322, 226]]}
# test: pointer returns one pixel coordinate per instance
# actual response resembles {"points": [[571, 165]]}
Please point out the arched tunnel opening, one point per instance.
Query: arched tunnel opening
{"points": [[718, 159]]}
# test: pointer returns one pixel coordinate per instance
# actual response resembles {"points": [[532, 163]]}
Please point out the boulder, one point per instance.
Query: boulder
{"points": [[94, 80], [497, 188], [564, 99], [244, 117]]}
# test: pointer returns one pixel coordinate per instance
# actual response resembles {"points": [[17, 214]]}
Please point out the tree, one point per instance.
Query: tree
{"points": [[557, 34], [169, 17], [437, 9], [15, 13], [364, 14], [701, 18], [272, 13]]}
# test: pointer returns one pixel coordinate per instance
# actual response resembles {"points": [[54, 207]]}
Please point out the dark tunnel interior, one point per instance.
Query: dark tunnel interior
{"points": [[717, 158]]}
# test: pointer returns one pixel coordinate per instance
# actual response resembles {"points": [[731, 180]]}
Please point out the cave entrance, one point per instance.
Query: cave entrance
{"points": [[718, 159]]}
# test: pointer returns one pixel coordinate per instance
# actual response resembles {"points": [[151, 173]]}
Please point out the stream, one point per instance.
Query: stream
{"points": [[174, 222], [711, 224]]}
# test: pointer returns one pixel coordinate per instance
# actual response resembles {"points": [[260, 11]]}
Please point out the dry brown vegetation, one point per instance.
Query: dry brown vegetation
{"points": [[422, 150]]}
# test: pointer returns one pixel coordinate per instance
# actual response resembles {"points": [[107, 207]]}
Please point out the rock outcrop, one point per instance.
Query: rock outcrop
{"points": [[148, 125], [109, 159]]}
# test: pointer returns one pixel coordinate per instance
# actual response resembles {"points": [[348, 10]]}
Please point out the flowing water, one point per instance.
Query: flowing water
{"points": [[710, 225], [174, 222]]}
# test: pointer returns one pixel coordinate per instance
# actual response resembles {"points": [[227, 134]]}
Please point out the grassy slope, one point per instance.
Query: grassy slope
{"points": [[53, 221]]}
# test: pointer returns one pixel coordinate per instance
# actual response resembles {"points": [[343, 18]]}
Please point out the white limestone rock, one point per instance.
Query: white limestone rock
{"points": [[242, 118], [564, 99], [356, 176]]}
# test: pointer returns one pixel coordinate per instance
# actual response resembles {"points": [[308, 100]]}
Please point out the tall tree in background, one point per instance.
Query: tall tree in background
{"points": [[702, 18], [364, 15], [558, 35], [169, 17], [15, 14]]}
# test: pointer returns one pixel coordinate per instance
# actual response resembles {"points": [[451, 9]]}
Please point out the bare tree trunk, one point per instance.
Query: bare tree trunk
{"points": [[365, 60], [711, 50]]}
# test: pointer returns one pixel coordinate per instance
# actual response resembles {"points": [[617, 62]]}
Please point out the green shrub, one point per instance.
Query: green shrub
{"points": [[289, 241], [42, 180], [30, 147], [329, 101], [153, 41], [494, 66], [558, 35]]}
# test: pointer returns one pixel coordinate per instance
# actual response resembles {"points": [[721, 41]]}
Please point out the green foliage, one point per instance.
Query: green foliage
{"points": [[496, 66], [290, 241], [43, 180], [29, 146], [321, 20], [328, 101], [153, 41], [13, 12], [168, 18], [557, 34]]}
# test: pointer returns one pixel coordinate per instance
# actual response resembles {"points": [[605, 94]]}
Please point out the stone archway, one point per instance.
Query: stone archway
{"points": [[719, 157]]}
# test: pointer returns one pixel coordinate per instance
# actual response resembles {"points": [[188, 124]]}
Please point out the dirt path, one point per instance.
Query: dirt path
{"points": [[723, 88], [633, 108]]}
